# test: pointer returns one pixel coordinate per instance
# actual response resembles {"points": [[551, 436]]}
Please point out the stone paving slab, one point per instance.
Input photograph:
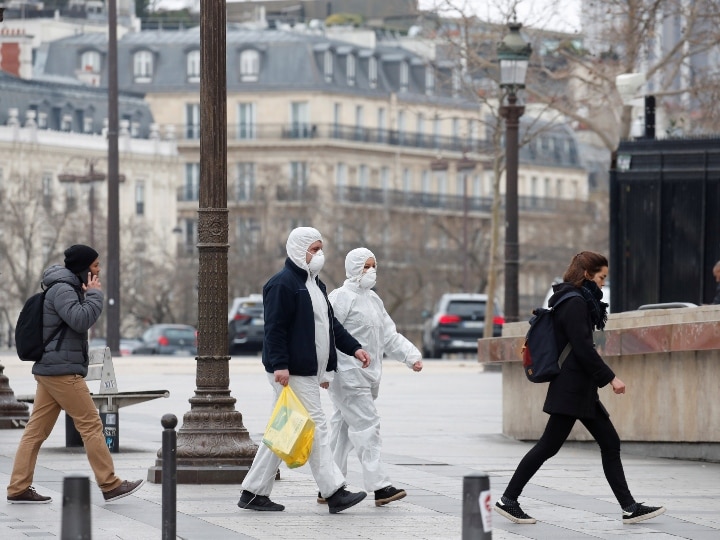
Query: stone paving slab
{"points": [[438, 426]]}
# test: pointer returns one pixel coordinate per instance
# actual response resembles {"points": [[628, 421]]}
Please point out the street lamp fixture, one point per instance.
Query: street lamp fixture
{"points": [[513, 55]]}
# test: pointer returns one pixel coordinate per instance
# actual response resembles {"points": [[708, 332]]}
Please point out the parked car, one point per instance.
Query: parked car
{"points": [[169, 339], [246, 325], [457, 324], [127, 345]]}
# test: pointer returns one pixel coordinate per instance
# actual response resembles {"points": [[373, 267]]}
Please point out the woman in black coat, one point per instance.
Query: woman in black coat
{"points": [[573, 394]]}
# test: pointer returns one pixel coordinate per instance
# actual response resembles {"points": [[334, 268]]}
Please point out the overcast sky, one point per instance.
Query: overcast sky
{"points": [[550, 14]]}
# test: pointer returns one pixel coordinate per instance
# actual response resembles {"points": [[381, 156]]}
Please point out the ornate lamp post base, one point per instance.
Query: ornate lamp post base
{"points": [[213, 446], [13, 413]]}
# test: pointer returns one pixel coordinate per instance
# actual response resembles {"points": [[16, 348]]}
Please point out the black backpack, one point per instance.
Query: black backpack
{"points": [[540, 357], [29, 329]]}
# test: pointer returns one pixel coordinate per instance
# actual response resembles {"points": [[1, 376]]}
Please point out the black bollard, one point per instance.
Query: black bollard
{"points": [[477, 507], [169, 476], [76, 509]]}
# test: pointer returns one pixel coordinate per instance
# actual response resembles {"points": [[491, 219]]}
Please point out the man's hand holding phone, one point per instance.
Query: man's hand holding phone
{"points": [[93, 282]]}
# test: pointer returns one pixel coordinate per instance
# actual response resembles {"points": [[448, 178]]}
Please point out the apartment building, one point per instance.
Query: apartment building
{"points": [[374, 146]]}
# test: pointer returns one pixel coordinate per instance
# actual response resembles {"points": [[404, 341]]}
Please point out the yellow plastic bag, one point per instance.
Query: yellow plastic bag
{"points": [[290, 431]]}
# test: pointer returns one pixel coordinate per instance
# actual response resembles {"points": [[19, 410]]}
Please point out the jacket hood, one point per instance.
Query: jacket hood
{"points": [[298, 242], [355, 262], [57, 272], [560, 289]]}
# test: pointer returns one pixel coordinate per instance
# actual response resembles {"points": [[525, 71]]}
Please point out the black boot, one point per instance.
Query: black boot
{"points": [[342, 499]]}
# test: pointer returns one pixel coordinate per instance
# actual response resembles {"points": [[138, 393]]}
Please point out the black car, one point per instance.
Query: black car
{"points": [[179, 339], [246, 325], [457, 324]]}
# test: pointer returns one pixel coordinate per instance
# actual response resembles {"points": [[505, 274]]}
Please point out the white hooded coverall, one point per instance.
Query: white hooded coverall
{"points": [[261, 476], [353, 391]]}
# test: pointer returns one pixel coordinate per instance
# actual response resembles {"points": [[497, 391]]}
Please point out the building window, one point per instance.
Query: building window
{"points": [[341, 180], [359, 123], [404, 76], [456, 133], [192, 120], [190, 233], [246, 121], [248, 234], [373, 72], [337, 116], [71, 197], [385, 179], [456, 82], [351, 69], [90, 62], [249, 65], [191, 189], [381, 124], [401, 127], [193, 66], [143, 66], [436, 132], [328, 66], [420, 124], [245, 182], [407, 181], [300, 119], [298, 178], [429, 80], [362, 177], [47, 189], [140, 199]]}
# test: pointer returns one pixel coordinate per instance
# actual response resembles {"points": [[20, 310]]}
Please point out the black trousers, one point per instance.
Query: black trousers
{"points": [[556, 432]]}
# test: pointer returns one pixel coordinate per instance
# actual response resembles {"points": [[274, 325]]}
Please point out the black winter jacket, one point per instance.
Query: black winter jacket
{"points": [[574, 391], [66, 302], [289, 341]]}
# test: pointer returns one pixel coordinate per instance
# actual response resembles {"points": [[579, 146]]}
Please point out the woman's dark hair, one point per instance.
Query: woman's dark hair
{"points": [[585, 261]]}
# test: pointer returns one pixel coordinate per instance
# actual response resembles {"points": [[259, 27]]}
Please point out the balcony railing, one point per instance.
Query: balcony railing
{"points": [[338, 132]]}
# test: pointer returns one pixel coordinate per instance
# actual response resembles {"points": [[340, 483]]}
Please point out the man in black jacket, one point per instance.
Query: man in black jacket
{"points": [[75, 300], [299, 349]]}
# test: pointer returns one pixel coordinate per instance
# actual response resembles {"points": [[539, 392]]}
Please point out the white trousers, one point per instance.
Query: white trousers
{"points": [[356, 423], [261, 476]]}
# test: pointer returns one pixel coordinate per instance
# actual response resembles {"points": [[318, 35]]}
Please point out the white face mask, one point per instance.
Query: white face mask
{"points": [[368, 279], [317, 262]]}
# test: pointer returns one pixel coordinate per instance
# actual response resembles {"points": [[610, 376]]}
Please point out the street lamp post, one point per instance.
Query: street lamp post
{"points": [[465, 167], [514, 54]]}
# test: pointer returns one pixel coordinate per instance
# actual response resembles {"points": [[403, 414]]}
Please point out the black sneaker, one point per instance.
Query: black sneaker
{"points": [[641, 513], [388, 494], [321, 499], [29, 496], [261, 503], [513, 512], [342, 499], [123, 490]]}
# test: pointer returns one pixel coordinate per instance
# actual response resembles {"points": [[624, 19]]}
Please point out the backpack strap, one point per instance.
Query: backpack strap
{"points": [[566, 351]]}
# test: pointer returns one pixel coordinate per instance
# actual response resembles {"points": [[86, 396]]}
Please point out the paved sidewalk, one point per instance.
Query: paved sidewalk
{"points": [[438, 426]]}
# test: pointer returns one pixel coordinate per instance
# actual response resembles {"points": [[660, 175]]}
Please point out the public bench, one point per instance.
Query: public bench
{"points": [[109, 400]]}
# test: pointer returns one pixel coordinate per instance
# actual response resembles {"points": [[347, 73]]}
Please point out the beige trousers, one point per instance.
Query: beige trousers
{"points": [[71, 394]]}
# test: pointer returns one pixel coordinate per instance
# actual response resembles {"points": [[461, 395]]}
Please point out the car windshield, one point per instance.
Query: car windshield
{"points": [[467, 309]]}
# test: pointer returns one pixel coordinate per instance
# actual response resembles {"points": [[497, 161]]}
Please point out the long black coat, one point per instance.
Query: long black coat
{"points": [[574, 392]]}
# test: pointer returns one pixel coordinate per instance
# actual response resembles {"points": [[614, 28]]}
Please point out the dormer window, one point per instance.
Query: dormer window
{"points": [[143, 66], [90, 62], [328, 66], [193, 66], [373, 72], [404, 76], [351, 70], [249, 65], [429, 80]]}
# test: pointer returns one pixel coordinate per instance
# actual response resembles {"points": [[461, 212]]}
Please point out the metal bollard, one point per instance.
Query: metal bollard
{"points": [[76, 509], [169, 477], [477, 507]]}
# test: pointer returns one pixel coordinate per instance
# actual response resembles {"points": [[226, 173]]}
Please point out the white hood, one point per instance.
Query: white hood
{"points": [[298, 242]]}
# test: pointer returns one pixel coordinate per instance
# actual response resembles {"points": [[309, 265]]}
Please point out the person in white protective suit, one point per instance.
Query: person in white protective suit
{"points": [[353, 390], [299, 348]]}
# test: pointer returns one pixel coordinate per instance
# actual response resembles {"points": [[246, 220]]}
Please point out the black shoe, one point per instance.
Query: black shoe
{"points": [[642, 512], [342, 499], [123, 490], [513, 512], [261, 503], [29, 496], [321, 499], [388, 494]]}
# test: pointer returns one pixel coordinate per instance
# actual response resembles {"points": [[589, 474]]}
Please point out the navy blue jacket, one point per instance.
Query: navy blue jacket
{"points": [[574, 392], [289, 341]]}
